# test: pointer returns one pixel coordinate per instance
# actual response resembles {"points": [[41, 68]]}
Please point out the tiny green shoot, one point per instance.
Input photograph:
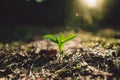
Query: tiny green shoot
{"points": [[60, 40]]}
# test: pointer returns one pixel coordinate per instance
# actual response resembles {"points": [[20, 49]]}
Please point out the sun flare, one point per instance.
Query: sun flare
{"points": [[91, 3]]}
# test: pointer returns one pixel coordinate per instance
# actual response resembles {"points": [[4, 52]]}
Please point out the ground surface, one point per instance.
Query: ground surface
{"points": [[87, 57]]}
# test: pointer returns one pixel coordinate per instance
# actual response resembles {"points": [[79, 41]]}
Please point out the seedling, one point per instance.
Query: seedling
{"points": [[60, 40]]}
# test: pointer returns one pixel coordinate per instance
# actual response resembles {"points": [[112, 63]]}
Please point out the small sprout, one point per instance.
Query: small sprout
{"points": [[60, 40]]}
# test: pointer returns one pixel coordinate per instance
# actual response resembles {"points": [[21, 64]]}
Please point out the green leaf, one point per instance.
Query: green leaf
{"points": [[51, 38], [68, 38], [62, 46], [60, 38]]}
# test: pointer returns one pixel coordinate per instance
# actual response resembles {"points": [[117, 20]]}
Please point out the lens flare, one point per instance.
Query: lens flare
{"points": [[91, 3]]}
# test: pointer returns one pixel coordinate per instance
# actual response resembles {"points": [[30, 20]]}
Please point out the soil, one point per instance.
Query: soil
{"points": [[86, 57]]}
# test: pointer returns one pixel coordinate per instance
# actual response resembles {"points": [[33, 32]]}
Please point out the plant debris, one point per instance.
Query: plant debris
{"points": [[84, 59]]}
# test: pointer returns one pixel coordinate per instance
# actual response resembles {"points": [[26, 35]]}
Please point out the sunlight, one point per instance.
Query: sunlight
{"points": [[91, 3]]}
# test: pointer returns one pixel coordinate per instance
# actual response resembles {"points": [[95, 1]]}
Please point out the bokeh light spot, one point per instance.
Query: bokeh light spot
{"points": [[39, 1]]}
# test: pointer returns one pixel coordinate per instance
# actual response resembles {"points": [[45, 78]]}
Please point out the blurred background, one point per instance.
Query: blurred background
{"points": [[23, 19]]}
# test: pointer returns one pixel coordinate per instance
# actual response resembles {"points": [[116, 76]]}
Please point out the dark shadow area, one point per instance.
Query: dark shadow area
{"points": [[48, 12], [22, 19]]}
